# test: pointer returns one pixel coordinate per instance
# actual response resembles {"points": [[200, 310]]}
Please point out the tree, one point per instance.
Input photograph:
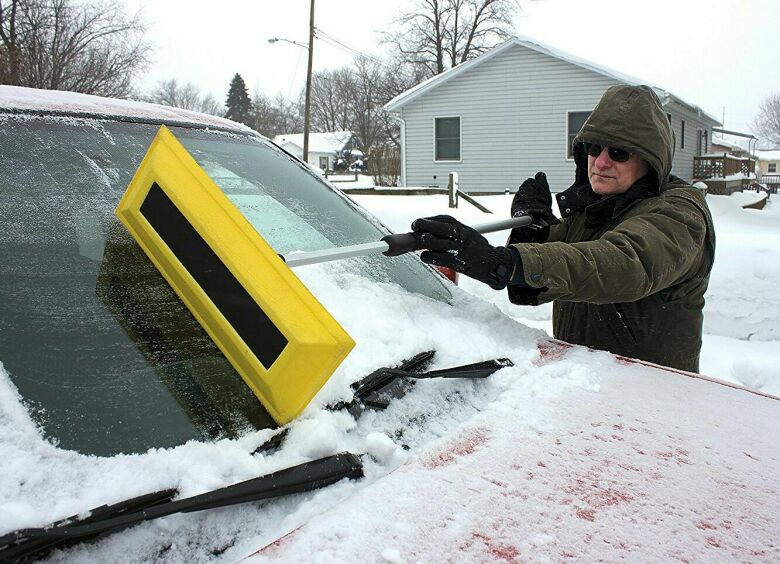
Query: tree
{"points": [[330, 107], [441, 34], [277, 116], [85, 47], [767, 123], [352, 98], [238, 103], [185, 96]]}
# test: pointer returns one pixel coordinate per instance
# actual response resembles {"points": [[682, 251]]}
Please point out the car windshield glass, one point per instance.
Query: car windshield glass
{"points": [[103, 352]]}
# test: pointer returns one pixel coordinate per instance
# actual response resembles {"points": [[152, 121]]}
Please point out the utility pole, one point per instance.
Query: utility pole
{"points": [[307, 107]]}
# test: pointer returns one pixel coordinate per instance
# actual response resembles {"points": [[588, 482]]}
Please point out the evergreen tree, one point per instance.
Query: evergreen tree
{"points": [[238, 103]]}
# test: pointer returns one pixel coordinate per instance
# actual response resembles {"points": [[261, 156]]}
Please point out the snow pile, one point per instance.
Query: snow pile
{"points": [[743, 301]]}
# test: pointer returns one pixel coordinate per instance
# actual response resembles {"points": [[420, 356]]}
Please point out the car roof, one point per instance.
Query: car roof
{"points": [[17, 99]]}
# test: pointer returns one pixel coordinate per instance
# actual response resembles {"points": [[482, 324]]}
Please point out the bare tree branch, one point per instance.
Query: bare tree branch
{"points": [[186, 96], [67, 45], [767, 123], [440, 34]]}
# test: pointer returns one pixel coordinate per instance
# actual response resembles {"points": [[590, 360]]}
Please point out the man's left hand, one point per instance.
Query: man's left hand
{"points": [[455, 245]]}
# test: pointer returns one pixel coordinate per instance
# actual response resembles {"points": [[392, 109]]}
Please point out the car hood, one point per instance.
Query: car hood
{"points": [[631, 462]]}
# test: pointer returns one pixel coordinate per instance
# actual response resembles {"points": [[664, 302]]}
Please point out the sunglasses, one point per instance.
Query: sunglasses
{"points": [[616, 154]]}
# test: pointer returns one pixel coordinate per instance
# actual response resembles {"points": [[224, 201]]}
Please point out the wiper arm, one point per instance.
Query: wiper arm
{"points": [[386, 376], [296, 479]]}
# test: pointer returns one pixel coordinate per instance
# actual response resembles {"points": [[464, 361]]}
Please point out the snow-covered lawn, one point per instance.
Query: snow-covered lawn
{"points": [[742, 313]]}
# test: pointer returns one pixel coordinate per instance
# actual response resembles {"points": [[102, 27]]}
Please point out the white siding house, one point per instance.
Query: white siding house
{"points": [[500, 118], [322, 146]]}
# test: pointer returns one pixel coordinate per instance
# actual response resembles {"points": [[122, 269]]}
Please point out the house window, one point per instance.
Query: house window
{"points": [[574, 123], [771, 167], [669, 117], [324, 163], [682, 134], [447, 139]]}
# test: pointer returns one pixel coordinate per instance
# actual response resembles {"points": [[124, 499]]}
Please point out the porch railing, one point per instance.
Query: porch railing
{"points": [[723, 166]]}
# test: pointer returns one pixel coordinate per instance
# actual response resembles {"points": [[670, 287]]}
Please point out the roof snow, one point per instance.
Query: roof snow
{"points": [[32, 99], [327, 142], [771, 155], [535, 45], [723, 142]]}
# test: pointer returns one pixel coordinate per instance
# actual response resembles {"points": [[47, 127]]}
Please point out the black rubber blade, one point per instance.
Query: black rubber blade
{"points": [[296, 479]]}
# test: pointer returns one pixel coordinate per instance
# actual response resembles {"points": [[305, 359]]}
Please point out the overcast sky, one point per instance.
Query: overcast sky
{"points": [[713, 53]]}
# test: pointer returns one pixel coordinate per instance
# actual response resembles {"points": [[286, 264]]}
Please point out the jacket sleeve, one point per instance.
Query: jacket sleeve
{"points": [[558, 231], [642, 255]]}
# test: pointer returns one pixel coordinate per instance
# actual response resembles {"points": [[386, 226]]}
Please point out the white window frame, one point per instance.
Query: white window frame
{"points": [[460, 139], [769, 166], [566, 127], [327, 162]]}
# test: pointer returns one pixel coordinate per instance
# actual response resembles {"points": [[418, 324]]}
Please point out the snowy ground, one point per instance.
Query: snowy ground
{"points": [[742, 313], [40, 483]]}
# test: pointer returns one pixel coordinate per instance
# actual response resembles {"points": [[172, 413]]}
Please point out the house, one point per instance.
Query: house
{"points": [[722, 144], [769, 169], [729, 166], [323, 147], [501, 117]]}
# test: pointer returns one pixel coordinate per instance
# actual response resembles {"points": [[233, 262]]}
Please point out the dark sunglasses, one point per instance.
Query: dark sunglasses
{"points": [[616, 154]]}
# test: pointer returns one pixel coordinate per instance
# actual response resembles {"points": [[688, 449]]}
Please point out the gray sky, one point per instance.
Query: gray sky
{"points": [[713, 53]]}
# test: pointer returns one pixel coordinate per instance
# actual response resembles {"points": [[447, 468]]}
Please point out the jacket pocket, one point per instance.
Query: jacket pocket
{"points": [[615, 318]]}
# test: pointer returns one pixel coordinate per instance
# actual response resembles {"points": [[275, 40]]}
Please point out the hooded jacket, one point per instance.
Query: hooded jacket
{"points": [[627, 272]]}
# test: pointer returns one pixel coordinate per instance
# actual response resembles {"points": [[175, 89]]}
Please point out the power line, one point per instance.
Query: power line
{"points": [[330, 40]]}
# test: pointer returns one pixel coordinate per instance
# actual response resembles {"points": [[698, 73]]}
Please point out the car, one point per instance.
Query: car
{"points": [[116, 406]]}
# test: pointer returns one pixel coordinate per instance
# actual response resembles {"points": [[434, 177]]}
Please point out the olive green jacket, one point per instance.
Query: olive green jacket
{"points": [[627, 273]]}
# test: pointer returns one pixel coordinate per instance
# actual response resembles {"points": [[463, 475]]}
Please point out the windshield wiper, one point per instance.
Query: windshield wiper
{"points": [[383, 377], [305, 477], [378, 388]]}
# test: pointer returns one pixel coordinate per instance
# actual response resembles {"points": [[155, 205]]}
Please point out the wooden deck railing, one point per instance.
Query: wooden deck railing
{"points": [[722, 166]]}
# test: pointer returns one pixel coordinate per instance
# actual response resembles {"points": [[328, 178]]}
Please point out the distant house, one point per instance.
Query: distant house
{"points": [[721, 144], [769, 169], [729, 166], [769, 161], [323, 147], [515, 110]]}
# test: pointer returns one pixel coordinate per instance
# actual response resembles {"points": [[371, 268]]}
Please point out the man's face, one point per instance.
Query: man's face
{"points": [[608, 176]]}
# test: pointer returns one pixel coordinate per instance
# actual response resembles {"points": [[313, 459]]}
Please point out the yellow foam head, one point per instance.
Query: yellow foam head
{"points": [[278, 337]]}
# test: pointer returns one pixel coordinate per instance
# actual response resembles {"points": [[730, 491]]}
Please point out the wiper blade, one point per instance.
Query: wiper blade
{"points": [[379, 381], [296, 479], [13, 547]]}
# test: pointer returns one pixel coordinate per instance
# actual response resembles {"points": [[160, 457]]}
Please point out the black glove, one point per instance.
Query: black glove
{"points": [[533, 198], [472, 256]]}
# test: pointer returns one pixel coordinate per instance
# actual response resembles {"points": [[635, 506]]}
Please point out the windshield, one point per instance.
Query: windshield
{"points": [[104, 353]]}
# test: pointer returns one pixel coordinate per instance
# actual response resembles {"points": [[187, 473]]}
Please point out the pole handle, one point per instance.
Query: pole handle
{"points": [[400, 243]]}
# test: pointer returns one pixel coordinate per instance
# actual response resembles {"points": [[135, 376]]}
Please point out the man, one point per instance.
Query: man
{"points": [[628, 265]]}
